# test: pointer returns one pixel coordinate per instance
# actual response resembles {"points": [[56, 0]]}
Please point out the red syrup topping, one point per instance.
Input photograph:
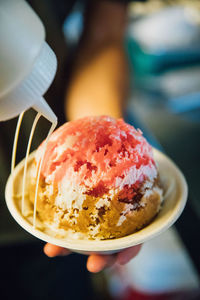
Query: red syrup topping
{"points": [[99, 153]]}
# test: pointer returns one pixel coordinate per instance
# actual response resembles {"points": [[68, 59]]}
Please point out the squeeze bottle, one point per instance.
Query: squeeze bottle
{"points": [[27, 63]]}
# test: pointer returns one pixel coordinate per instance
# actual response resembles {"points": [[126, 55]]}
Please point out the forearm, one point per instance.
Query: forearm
{"points": [[99, 82], [105, 21]]}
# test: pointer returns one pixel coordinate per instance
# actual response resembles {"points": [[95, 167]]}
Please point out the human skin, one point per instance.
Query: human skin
{"points": [[98, 86], [96, 262]]}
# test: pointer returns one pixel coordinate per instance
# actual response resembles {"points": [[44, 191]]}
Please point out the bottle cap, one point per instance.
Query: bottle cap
{"points": [[29, 92]]}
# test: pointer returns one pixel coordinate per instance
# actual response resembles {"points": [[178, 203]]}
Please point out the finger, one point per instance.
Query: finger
{"points": [[126, 255], [53, 250], [97, 263]]}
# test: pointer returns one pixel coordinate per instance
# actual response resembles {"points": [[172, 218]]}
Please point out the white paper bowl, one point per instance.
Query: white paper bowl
{"points": [[175, 196]]}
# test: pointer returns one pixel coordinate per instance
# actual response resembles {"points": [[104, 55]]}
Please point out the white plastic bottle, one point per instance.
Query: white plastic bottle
{"points": [[27, 63]]}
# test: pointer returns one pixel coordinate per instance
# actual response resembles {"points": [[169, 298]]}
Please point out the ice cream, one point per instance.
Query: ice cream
{"points": [[98, 178]]}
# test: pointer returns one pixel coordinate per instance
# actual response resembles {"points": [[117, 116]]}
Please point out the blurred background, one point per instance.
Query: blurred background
{"points": [[162, 44]]}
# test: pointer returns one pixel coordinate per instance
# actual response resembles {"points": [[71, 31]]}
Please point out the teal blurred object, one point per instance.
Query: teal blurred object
{"points": [[166, 40], [147, 63], [73, 25], [164, 57]]}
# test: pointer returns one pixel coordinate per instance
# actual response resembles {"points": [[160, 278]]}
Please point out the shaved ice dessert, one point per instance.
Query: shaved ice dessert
{"points": [[98, 179]]}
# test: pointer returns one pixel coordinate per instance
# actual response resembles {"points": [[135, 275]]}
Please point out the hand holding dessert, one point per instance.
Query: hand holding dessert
{"points": [[98, 181], [96, 262]]}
